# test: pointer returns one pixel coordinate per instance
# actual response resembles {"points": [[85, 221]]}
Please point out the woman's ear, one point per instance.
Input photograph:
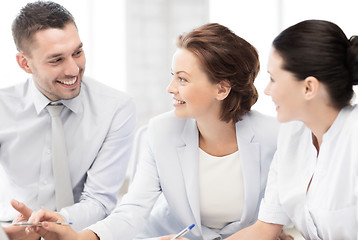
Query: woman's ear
{"points": [[224, 89], [311, 85], [23, 62]]}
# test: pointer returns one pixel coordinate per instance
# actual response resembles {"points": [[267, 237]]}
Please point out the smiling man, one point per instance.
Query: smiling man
{"points": [[56, 60], [98, 123]]}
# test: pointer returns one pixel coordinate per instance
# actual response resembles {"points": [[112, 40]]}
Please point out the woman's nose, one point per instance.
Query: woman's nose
{"points": [[171, 87]]}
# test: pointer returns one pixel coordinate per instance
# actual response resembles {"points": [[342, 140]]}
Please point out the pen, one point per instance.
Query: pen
{"points": [[183, 232], [27, 224]]}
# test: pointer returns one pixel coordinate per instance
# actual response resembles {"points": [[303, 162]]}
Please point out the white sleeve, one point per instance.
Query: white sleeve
{"points": [[132, 213], [271, 211], [107, 173]]}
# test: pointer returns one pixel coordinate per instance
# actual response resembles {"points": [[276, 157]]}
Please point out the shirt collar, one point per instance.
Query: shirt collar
{"points": [[41, 101], [338, 122]]}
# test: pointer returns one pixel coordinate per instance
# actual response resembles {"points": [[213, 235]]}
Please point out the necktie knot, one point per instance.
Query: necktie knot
{"points": [[54, 110]]}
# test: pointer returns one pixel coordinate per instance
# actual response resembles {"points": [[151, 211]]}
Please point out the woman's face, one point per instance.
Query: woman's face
{"points": [[193, 93], [286, 91]]}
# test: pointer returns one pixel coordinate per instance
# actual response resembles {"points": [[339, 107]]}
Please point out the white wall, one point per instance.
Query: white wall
{"points": [[101, 25], [152, 29]]}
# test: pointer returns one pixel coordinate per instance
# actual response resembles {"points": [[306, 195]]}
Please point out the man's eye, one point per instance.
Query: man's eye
{"points": [[56, 60], [78, 52]]}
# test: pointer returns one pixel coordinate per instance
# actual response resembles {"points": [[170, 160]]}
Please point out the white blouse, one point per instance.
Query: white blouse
{"points": [[329, 209], [221, 190]]}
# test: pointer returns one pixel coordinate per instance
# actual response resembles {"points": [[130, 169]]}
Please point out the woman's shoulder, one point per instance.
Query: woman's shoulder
{"points": [[260, 117], [349, 122], [352, 114], [167, 118], [260, 122], [169, 124]]}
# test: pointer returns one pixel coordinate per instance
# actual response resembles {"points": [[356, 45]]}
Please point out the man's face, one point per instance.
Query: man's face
{"points": [[56, 61]]}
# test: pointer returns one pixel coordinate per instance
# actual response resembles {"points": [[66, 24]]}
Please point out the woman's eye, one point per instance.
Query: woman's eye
{"points": [[182, 80]]}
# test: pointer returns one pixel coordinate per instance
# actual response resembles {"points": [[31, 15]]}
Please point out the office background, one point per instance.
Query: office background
{"points": [[129, 43]]}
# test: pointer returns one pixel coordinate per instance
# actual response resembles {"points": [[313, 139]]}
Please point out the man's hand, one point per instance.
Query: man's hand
{"points": [[50, 230], [18, 233], [42, 216], [168, 237], [284, 236]]}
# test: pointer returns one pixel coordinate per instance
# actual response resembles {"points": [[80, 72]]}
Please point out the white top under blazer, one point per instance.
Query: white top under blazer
{"points": [[167, 178], [221, 189]]}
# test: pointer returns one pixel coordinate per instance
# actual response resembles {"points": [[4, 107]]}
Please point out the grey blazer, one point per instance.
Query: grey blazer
{"points": [[167, 178]]}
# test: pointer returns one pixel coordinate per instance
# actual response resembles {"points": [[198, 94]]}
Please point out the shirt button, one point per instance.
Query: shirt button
{"points": [[48, 151], [44, 182]]}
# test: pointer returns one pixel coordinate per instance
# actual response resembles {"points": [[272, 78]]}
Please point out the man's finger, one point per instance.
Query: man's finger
{"points": [[21, 208], [63, 232]]}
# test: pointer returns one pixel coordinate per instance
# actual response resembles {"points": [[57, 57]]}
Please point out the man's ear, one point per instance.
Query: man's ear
{"points": [[23, 62], [224, 89], [311, 85]]}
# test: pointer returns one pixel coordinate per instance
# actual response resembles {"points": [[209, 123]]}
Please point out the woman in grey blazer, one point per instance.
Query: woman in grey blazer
{"points": [[204, 163]]}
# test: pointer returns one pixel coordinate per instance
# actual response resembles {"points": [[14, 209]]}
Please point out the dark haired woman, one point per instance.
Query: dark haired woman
{"points": [[313, 179]]}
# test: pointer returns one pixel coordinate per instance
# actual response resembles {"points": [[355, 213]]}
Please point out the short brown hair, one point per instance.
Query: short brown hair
{"points": [[226, 56], [38, 16]]}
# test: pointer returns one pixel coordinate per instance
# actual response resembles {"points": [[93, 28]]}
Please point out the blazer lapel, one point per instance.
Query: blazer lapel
{"points": [[188, 158], [250, 164]]}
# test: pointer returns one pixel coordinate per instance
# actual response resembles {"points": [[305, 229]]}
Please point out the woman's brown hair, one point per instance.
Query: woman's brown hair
{"points": [[226, 57]]}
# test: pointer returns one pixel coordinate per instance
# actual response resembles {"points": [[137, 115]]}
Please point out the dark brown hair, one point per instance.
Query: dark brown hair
{"points": [[225, 56], [320, 49], [38, 16]]}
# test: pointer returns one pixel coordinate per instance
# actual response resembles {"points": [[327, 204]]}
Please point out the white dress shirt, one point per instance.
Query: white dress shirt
{"points": [[98, 126], [328, 210]]}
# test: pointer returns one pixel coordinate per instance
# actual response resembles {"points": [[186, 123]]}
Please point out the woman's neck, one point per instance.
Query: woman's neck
{"points": [[319, 121], [216, 137]]}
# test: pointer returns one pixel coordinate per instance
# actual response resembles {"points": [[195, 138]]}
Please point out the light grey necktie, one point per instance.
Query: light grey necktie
{"points": [[61, 173]]}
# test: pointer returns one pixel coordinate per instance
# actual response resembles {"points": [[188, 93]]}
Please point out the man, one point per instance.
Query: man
{"points": [[98, 122]]}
